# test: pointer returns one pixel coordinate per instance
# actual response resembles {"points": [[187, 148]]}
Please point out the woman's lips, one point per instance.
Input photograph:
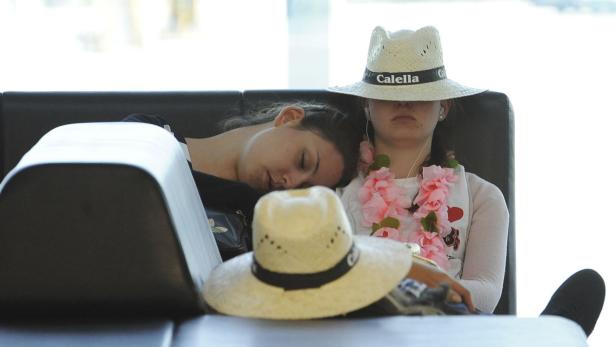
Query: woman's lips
{"points": [[403, 117]]}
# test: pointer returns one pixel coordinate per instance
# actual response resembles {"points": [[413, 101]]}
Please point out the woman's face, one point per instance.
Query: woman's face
{"points": [[284, 157], [405, 121]]}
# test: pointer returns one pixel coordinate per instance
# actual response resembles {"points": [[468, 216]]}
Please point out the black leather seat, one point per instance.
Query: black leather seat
{"points": [[482, 136]]}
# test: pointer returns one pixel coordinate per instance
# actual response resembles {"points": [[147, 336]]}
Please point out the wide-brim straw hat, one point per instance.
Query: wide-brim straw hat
{"points": [[306, 262], [406, 65]]}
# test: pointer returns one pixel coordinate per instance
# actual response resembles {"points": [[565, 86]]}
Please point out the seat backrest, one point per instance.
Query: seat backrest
{"points": [[27, 116], [484, 143]]}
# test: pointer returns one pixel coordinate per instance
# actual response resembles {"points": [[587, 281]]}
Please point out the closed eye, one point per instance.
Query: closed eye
{"points": [[302, 161]]}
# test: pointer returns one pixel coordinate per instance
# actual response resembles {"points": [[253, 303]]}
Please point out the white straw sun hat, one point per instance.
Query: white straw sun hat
{"points": [[406, 65], [306, 262]]}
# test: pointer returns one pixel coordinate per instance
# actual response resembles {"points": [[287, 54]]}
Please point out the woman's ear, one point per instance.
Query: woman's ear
{"points": [[446, 106], [289, 114]]}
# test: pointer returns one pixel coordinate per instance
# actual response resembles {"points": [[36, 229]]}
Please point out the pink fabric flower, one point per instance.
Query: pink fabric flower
{"points": [[382, 198], [433, 172], [373, 210], [432, 247], [435, 185], [436, 199], [375, 183], [366, 156]]}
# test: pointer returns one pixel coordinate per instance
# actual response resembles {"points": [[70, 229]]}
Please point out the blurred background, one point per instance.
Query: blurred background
{"points": [[554, 59]]}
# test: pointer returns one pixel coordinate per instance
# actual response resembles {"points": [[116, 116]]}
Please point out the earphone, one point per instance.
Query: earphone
{"points": [[367, 112]]}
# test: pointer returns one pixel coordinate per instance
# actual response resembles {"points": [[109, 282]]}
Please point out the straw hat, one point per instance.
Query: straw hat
{"points": [[406, 65], [306, 263]]}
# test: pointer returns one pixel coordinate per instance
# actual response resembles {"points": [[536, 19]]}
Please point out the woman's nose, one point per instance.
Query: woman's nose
{"points": [[294, 179], [408, 104]]}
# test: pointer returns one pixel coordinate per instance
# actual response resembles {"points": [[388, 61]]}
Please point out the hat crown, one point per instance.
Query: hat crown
{"points": [[300, 231], [404, 50]]}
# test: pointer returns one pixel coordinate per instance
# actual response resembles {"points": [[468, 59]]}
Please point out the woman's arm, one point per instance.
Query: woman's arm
{"points": [[433, 277], [486, 248]]}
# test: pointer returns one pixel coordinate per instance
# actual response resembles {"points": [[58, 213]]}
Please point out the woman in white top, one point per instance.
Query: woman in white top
{"points": [[415, 192]]}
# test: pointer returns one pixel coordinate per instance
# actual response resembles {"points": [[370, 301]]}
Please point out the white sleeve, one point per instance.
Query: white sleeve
{"points": [[484, 261]]}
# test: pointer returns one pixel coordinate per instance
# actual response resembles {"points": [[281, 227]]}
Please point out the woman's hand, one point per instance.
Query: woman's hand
{"points": [[433, 277]]}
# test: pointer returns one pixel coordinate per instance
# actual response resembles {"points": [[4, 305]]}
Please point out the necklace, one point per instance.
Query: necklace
{"points": [[424, 220], [417, 158]]}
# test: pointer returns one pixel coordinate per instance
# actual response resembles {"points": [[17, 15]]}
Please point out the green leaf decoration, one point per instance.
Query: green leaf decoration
{"points": [[375, 227], [381, 160], [429, 222], [452, 163], [390, 222]]}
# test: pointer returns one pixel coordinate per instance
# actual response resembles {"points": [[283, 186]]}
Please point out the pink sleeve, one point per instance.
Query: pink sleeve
{"points": [[486, 248]]}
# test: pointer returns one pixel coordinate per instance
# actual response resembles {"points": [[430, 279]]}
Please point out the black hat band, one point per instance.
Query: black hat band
{"points": [[290, 281], [404, 78]]}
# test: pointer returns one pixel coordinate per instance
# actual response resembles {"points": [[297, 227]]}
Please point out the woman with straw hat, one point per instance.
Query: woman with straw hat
{"points": [[415, 192]]}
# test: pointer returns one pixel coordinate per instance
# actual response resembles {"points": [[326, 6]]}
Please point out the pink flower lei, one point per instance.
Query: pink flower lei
{"points": [[391, 212]]}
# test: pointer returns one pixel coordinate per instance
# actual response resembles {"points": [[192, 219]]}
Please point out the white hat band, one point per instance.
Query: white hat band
{"points": [[292, 281], [405, 78]]}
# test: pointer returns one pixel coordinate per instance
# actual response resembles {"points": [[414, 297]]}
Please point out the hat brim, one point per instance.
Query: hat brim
{"points": [[432, 91], [232, 289]]}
